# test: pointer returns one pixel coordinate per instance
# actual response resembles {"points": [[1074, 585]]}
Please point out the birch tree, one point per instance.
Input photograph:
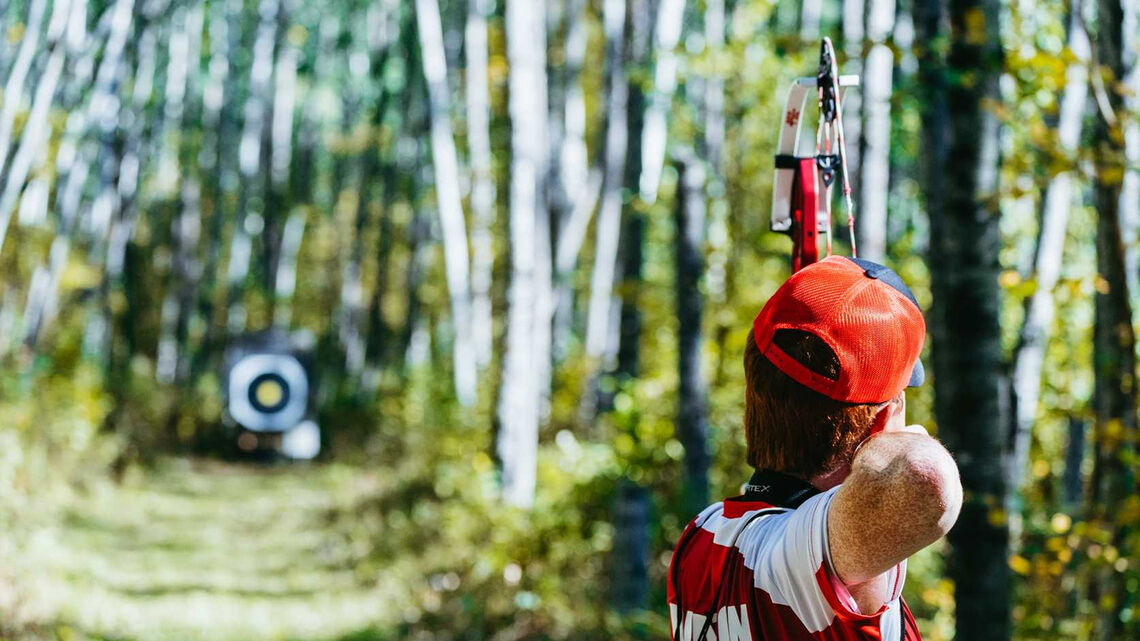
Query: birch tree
{"points": [[17, 76], [453, 226], [529, 298], [182, 90], [875, 159], [1130, 189], [478, 103], [714, 93], [578, 182], [250, 222], [655, 136], [855, 26], [608, 226], [360, 62], [1029, 356], [811, 13], [42, 302], [35, 134]]}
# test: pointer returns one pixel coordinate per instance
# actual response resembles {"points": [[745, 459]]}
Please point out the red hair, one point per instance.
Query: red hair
{"points": [[790, 428]]}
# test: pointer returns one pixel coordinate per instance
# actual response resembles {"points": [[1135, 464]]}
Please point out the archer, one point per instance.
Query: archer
{"points": [[844, 490]]}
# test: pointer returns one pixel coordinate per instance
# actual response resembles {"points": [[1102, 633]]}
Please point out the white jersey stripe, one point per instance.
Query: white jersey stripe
{"points": [[785, 549]]}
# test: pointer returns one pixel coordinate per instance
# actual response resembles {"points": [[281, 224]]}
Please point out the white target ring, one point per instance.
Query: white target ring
{"points": [[268, 392]]}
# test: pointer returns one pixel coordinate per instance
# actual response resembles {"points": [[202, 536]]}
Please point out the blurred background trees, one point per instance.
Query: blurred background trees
{"points": [[526, 241]]}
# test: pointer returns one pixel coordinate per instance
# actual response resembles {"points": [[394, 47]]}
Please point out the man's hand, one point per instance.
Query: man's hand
{"points": [[903, 494]]}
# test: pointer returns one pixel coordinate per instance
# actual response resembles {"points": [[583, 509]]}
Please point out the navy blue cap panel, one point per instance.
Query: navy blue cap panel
{"points": [[890, 277], [917, 375], [885, 274]]}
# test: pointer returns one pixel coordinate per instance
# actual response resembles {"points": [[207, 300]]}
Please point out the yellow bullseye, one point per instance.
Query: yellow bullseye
{"points": [[268, 393]]}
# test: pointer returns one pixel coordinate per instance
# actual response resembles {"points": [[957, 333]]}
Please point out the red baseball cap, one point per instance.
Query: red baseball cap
{"points": [[864, 312]]}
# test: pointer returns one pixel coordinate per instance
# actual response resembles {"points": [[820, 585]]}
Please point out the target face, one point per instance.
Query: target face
{"points": [[268, 392]]}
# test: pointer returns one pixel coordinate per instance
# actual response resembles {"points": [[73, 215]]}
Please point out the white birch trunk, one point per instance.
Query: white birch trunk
{"points": [[874, 178], [854, 32], [14, 87], [284, 104], [126, 189], [811, 12], [249, 224], [286, 282], [71, 166], [482, 181], [34, 138], [539, 123], [1130, 190], [602, 303], [579, 186], [352, 286], [655, 134], [185, 49], [519, 407], [1038, 323], [714, 92], [447, 195]]}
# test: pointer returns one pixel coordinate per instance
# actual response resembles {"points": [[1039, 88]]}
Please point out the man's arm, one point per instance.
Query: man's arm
{"points": [[903, 494]]}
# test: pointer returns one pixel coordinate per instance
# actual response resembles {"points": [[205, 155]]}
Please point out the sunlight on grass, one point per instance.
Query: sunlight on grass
{"points": [[194, 551]]}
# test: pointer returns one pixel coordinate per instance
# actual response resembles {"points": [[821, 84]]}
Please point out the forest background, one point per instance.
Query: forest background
{"points": [[525, 242]]}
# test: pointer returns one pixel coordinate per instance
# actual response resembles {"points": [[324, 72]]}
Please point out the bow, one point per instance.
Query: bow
{"points": [[801, 195]]}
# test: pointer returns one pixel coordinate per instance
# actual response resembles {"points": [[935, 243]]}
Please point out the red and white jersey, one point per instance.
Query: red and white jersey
{"points": [[767, 571]]}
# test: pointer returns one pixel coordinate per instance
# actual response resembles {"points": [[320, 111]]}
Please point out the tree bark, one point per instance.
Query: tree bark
{"points": [[528, 321], [220, 99], [608, 226], [633, 516], [182, 82], [1130, 189], [1114, 340], [447, 195], [961, 185], [631, 524], [655, 136], [14, 87], [478, 102], [36, 130], [857, 17], [250, 222], [689, 235], [811, 13], [577, 183], [875, 157]]}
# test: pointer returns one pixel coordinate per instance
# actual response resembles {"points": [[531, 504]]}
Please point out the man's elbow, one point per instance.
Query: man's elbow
{"points": [[936, 486]]}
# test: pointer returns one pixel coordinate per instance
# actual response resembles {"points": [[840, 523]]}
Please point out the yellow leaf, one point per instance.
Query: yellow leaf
{"points": [[1061, 523], [1019, 564]]}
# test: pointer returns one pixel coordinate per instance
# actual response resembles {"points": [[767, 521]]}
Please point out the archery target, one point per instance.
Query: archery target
{"points": [[268, 392]]}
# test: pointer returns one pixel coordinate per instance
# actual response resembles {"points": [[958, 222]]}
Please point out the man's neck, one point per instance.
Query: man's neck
{"points": [[828, 480]]}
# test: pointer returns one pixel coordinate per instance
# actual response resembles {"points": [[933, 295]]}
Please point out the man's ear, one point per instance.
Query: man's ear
{"points": [[891, 414], [882, 418]]}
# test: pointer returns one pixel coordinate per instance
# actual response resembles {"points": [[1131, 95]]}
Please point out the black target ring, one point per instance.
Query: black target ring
{"points": [[268, 392]]}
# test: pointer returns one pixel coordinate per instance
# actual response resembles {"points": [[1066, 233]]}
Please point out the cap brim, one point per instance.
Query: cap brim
{"points": [[917, 375]]}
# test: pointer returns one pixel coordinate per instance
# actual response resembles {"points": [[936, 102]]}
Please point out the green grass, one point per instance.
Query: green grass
{"points": [[196, 550]]}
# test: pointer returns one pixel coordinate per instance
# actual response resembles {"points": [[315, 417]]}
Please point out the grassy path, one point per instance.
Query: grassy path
{"points": [[196, 550]]}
